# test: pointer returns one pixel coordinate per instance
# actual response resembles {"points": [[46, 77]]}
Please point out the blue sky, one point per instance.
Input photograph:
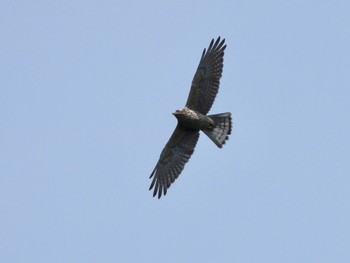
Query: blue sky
{"points": [[86, 94]]}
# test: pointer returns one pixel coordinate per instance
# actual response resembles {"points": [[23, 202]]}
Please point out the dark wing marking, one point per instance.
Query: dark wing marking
{"points": [[173, 158], [206, 81]]}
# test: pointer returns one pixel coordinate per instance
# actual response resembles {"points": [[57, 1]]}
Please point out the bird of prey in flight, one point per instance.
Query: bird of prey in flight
{"points": [[193, 118]]}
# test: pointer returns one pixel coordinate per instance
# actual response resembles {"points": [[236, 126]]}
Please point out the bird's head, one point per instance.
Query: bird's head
{"points": [[180, 113]]}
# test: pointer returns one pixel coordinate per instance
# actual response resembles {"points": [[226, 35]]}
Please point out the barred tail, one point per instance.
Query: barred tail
{"points": [[222, 129]]}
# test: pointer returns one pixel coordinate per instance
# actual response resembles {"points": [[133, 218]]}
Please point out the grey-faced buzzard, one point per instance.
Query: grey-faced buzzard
{"points": [[193, 118]]}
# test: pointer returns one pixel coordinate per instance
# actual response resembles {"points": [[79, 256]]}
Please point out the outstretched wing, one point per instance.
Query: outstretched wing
{"points": [[206, 81], [173, 158]]}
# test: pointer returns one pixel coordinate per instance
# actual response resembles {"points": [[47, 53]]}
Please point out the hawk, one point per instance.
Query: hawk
{"points": [[193, 118]]}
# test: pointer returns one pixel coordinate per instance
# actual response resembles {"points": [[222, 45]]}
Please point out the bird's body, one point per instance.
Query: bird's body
{"points": [[193, 118]]}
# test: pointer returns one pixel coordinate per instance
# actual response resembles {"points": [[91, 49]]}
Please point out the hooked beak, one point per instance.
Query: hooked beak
{"points": [[177, 112]]}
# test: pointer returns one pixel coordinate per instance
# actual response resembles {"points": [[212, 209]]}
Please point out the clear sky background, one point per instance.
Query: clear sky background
{"points": [[87, 89]]}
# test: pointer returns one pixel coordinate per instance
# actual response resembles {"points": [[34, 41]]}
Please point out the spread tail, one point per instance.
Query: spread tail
{"points": [[222, 129]]}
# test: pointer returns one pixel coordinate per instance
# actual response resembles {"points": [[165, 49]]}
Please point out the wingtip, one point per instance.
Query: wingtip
{"points": [[158, 191], [153, 172], [203, 53]]}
